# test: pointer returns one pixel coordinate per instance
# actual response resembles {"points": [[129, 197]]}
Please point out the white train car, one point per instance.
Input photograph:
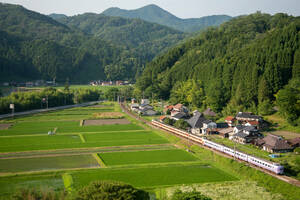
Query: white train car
{"points": [[273, 167]]}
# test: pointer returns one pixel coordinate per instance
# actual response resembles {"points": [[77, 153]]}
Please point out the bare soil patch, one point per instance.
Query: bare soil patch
{"points": [[108, 115], [5, 126], [105, 122], [286, 134]]}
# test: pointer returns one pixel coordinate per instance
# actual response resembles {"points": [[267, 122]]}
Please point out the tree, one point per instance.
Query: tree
{"points": [[194, 195], [110, 190], [111, 94], [181, 124], [169, 121], [288, 101]]}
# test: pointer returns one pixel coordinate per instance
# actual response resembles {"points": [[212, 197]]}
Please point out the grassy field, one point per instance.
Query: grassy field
{"points": [[234, 190], [47, 163], [141, 157], [279, 123], [150, 177], [11, 184]]}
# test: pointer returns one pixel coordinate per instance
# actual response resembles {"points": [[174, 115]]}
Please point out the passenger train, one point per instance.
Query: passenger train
{"points": [[270, 166]]}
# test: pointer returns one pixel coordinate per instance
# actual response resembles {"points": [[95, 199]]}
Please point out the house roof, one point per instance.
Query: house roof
{"points": [[276, 142], [229, 118], [207, 121], [240, 135], [247, 115], [253, 123], [170, 107], [196, 121], [222, 125], [179, 115], [294, 141], [226, 130], [178, 106], [209, 112], [249, 128]]}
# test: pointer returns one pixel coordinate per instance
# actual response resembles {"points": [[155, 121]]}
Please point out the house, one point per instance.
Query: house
{"points": [[247, 116], [226, 132], [208, 126], [119, 82], [133, 100], [255, 124], [168, 109], [209, 112], [178, 116], [148, 112], [180, 108], [134, 106], [196, 123], [245, 134], [275, 144], [230, 120], [145, 101], [295, 142], [241, 138]]}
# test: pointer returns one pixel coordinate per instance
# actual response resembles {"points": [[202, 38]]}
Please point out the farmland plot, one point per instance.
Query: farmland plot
{"points": [[140, 157], [154, 176], [47, 163]]}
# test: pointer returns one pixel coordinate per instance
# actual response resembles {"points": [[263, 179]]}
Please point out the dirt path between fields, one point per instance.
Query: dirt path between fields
{"points": [[72, 152]]}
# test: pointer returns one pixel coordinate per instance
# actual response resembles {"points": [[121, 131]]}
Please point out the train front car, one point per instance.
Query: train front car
{"points": [[278, 169]]}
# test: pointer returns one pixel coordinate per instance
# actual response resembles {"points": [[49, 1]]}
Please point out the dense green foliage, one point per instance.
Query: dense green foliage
{"points": [[194, 195], [153, 13], [34, 194], [181, 124], [241, 64], [49, 96], [35, 46], [107, 190]]}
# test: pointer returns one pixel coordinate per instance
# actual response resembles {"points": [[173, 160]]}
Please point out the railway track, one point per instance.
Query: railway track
{"points": [[280, 177]]}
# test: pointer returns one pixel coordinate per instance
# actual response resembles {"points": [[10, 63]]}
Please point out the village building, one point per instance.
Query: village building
{"points": [[226, 132], [230, 120], [180, 108], [196, 123], [168, 109], [247, 116], [274, 144], [245, 134], [178, 115], [295, 142]]}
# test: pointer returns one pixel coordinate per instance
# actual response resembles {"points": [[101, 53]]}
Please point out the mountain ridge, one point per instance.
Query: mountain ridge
{"points": [[155, 14]]}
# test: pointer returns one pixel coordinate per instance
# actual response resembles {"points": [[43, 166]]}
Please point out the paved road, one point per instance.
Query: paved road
{"points": [[47, 110]]}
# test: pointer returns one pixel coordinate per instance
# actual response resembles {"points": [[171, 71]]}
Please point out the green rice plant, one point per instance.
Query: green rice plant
{"points": [[141, 157], [46, 163], [154, 176]]}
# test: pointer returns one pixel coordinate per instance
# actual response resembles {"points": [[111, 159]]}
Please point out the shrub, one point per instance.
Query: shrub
{"points": [[181, 124], [109, 190], [194, 195], [33, 194]]}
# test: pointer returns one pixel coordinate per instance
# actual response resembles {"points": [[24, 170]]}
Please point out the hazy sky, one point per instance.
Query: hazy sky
{"points": [[180, 8]]}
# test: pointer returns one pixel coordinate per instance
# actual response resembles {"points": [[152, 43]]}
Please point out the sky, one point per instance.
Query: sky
{"points": [[180, 8]]}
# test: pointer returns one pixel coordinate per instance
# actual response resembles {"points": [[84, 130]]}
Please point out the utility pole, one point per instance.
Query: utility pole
{"points": [[12, 107]]}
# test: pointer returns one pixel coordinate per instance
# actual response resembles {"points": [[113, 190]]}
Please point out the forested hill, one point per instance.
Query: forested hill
{"points": [[144, 39], [34, 46], [153, 13], [240, 65]]}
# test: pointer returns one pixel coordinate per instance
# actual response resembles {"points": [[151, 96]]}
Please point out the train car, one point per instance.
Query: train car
{"points": [[273, 167]]}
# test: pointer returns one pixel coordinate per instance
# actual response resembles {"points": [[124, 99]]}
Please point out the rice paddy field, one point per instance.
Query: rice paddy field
{"points": [[131, 153]]}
